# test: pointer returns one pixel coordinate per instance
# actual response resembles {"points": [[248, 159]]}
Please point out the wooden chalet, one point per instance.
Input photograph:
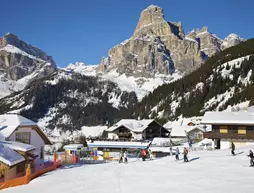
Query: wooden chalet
{"points": [[230, 126]]}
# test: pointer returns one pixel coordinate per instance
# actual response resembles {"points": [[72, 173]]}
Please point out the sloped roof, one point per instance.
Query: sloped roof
{"points": [[236, 118], [132, 124], [9, 156], [119, 144], [9, 122], [18, 146], [73, 146], [180, 131]]}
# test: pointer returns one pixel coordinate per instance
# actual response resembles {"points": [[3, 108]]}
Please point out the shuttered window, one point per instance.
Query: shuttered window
{"points": [[242, 130], [223, 129]]}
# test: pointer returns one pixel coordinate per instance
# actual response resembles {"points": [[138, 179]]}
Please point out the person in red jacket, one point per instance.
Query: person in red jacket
{"points": [[143, 155]]}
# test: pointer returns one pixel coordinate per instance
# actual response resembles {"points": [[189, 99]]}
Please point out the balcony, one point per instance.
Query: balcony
{"points": [[217, 135], [124, 135]]}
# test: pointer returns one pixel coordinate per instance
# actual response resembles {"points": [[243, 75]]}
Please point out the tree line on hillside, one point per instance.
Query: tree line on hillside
{"points": [[80, 99], [193, 103]]}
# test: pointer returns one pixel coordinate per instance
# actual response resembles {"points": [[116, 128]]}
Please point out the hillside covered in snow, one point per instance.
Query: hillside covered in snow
{"points": [[68, 101], [223, 81]]}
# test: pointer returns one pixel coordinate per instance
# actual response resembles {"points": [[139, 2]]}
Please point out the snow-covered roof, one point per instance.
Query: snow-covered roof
{"points": [[9, 156], [96, 131], [250, 109], [161, 149], [9, 122], [119, 144], [132, 124], [160, 141], [18, 146], [180, 131], [236, 118], [73, 146]]}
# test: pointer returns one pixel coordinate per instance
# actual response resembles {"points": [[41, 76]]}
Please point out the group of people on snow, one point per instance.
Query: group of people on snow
{"points": [[123, 157], [251, 156], [143, 153], [185, 153]]}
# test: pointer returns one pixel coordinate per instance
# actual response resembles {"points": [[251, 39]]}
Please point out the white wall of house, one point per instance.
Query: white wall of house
{"points": [[112, 135], [35, 140], [137, 136], [226, 144]]}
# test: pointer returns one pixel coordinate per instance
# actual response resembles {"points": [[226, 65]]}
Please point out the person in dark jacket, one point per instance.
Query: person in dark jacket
{"points": [[232, 148], [185, 153], [251, 158], [177, 152]]}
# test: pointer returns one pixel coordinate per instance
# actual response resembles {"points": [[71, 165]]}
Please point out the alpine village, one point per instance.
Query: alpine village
{"points": [[161, 96]]}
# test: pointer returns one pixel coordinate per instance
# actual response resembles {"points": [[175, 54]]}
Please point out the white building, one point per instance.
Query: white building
{"points": [[187, 129], [14, 127]]}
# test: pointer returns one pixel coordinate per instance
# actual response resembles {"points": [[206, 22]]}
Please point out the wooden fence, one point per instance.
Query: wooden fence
{"points": [[30, 174]]}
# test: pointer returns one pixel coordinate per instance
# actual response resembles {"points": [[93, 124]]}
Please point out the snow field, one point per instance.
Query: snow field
{"points": [[210, 171]]}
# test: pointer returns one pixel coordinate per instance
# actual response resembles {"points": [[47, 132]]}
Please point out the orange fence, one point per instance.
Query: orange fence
{"points": [[29, 175]]}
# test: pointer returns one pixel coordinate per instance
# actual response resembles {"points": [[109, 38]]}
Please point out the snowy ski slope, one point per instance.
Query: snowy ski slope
{"points": [[210, 171]]}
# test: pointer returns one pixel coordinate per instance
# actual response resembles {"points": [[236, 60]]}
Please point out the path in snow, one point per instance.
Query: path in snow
{"points": [[211, 171]]}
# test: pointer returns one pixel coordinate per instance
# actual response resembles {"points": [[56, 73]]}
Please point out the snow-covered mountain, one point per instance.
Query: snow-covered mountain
{"points": [[231, 40], [210, 43], [159, 46], [129, 83], [68, 101], [142, 76], [21, 63], [222, 82]]}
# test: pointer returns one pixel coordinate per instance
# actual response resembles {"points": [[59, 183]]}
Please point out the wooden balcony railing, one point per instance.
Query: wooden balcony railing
{"points": [[217, 135], [124, 135]]}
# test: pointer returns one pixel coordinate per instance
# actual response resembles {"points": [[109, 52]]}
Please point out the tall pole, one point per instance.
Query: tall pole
{"points": [[170, 145]]}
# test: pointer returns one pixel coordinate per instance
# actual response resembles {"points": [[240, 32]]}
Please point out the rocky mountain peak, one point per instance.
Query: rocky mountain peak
{"points": [[149, 16], [13, 40], [175, 51], [20, 63], [204, 29]]}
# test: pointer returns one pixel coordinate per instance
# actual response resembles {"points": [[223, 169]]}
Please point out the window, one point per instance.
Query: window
{"points": [[242, 130], [23, 137], [223, 129], [42, 153]]}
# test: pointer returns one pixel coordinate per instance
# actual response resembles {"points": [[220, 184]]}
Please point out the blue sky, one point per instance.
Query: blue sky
{"points": [[84, 30]]}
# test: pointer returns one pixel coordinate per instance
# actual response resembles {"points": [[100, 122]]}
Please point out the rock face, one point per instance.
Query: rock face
{"points": [[209, 43], [159, 46], [21, 63]]}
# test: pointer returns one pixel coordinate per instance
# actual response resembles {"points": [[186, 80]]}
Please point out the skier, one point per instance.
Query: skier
{"points": [[125, 155], [121, 157], [177, 153], [150, 154], [232, 148], [251, 158], [138, 154], [143, 155], [185, 153]]}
